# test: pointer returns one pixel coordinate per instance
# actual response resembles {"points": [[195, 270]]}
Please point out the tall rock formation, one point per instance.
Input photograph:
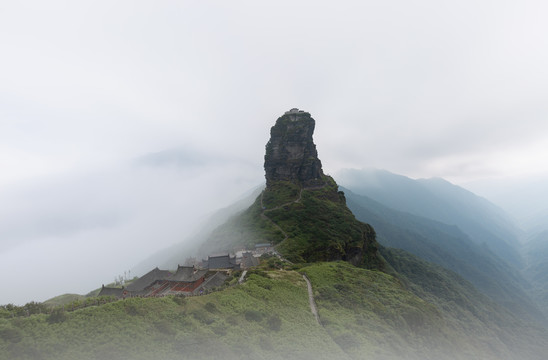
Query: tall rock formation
{"points": [[305, 205], [301, 211], [291, 154]]}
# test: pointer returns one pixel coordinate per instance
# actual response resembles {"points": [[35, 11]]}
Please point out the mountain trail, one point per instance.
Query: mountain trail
{"points": [[264, 216], [298, 200], [242, 278], [313, 307]]}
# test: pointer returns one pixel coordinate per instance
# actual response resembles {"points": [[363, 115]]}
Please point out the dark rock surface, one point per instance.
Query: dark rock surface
{"points": [[306, 205], [291, 153]]}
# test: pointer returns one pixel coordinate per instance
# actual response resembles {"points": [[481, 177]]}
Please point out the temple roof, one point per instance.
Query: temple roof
{"points": [[149, 278], [222, 262], [214, 281], [108, 291], [248, 260], [188, 274]]}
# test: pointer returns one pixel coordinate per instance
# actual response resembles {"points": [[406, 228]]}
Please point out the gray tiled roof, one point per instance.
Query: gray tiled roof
{"points": [[148, 278], [248, 260], [214, 281], [108, 291], [222, 262], [187, 274]]}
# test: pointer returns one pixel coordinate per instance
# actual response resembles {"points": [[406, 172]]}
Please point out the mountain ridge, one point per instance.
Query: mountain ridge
{"points": [[301, 210], [372, 301], [448, 246], [435, 199]]}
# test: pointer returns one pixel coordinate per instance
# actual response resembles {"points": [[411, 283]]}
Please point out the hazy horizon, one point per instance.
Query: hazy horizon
{"points": [[122, 126]]}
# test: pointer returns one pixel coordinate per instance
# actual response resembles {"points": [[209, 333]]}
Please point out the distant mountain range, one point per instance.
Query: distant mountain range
{"points": [[536, 256], [439, 200], [392, 267], [450, 226], [430, 218]]}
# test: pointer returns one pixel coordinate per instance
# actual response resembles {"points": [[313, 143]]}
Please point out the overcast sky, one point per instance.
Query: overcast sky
{"points": [[124, 123]]}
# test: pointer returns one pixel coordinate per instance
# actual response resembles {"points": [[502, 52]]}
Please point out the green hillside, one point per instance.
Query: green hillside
{"points": [[300, 211], [371, 302], [449, 247], [439, 200], [306, 224], [63, 299], [536, 254], [267, 317], [364, 315], [425, 313]]}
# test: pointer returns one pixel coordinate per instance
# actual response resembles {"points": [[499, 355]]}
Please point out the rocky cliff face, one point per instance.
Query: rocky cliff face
{"points": [[291, 154], [304, 205], [301, 211]]}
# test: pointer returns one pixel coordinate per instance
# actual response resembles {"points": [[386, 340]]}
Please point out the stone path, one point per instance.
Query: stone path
{"points": [[242, 278], [313, 307]]}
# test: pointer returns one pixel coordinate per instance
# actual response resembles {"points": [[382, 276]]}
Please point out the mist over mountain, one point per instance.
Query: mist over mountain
{"points": [[132, 137], [535, 223], [328, 290], [524, 198], [114, 216], [171, 257], [450, 247], [301, 210], [536, 255], [439, 200]]}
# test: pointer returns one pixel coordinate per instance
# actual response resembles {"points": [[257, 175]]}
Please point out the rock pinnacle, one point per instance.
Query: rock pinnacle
{"points": [[291, 153]]}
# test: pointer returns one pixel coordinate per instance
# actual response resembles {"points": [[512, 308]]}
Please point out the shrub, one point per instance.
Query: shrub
{"points": [[131, 309], [253, 315], [211, 307], [57, 316], [266, 286], [258, 272], [165, 327], [346, 341], [220, 330], [179, 300], [265, 343], [203, 317], [275, 323], [11, 335]]}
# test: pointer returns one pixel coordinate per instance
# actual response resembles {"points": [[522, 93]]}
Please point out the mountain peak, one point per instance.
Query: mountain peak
{"points": [[291, 153]]}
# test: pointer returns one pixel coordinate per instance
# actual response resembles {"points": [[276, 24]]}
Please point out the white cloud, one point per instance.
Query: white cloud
{"points": [[424, 88]]}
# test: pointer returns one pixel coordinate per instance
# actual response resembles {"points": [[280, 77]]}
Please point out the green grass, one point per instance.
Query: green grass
{"points": [[320, 227], [279, 193], [267, 316], [364, 314], [63, 300]]}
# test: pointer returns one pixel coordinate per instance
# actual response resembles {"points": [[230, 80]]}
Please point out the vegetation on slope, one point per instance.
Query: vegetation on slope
{"points": [[364, 314], [266, 318], [442, 201], [64, 299], [306, 224], [536, 254], [448, 246], [467, 312]]}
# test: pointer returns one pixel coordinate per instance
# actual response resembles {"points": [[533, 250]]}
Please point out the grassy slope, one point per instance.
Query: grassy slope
{"points": [[319, 226], [447, 246], [477, 320], [536, 253], [266, 317], [365, 314], [63, 299]]}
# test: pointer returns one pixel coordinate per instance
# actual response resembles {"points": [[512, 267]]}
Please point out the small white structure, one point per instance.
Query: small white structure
{"points": [[295, 111]]}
